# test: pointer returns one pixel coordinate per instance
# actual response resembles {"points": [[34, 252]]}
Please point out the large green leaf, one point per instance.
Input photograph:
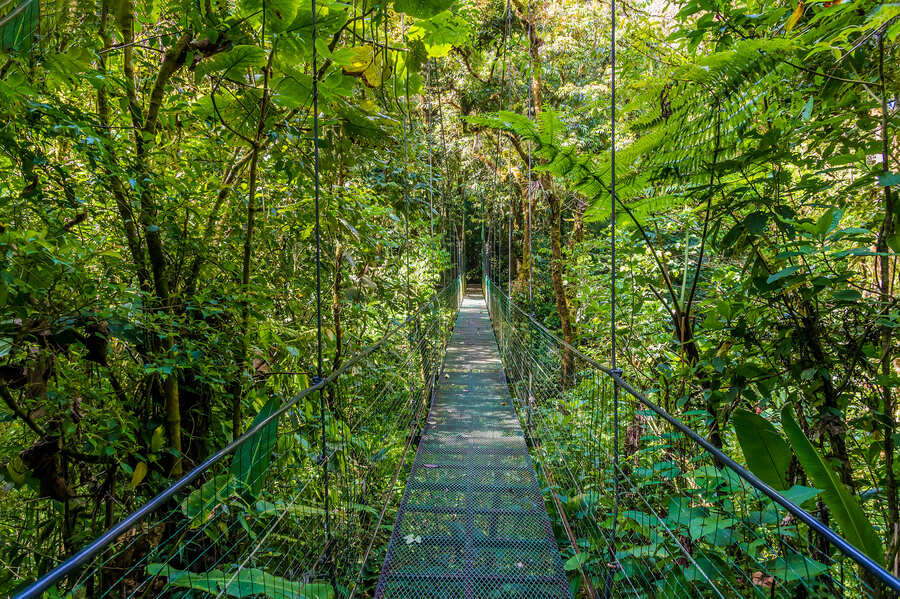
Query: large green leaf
{"points": [[232, 63], [251, 460], [295, 49], [795, 567], [844, 507], [441, 33], [249, 582], [767, 454], [279, 13], [203, 505], [422, 9]]}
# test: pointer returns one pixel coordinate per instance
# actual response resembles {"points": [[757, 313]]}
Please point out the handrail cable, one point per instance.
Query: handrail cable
{"points": [[796, 511]]}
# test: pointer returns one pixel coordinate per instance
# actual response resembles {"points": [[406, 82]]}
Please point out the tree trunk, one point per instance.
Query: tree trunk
{"points": [[123, 204], [256, 147], [145, 130], [559, 290], [336, 292]]}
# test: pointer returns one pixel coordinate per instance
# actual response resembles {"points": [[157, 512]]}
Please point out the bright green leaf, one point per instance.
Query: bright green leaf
{"points": [[844, 507], [233, 63], [251, 460], [768, 455], [422, 9], [782, 274], [576, 561]]}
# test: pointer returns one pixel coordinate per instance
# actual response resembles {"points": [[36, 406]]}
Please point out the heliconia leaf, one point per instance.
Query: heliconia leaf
{"points": [[251, 460], [140, 471], [17, 26], [246, 582], [844, 507], [768, 455]]}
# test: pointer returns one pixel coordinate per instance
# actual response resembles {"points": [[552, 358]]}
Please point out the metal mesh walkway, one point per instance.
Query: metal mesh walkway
{"points": [[472, 522]]}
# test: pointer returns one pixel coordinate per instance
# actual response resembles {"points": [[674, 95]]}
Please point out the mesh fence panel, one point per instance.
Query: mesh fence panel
{"points": [[253, 523], [671, 520]]}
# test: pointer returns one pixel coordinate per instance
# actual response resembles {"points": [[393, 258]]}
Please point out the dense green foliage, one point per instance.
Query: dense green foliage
{"points": [[157, 247], [157, 234], [756, 180]]}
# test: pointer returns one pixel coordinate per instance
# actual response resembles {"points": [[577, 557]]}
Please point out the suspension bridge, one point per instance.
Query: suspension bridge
{"points": [[522, 481], [468, 454]]}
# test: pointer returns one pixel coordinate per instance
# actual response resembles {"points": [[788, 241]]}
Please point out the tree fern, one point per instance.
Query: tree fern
{"points": [[668, 163], [18, 24]]}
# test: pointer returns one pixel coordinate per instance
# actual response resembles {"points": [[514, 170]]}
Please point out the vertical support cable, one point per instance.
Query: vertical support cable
{"points": [[530, 256], [531, 113], [444, 180], [612, 186], [462, 247], [499, 242], [323, 458], [508, 154], [530, 200], [612, 304], [428, 124], [406, 177], [415, 333], [484, 248]]}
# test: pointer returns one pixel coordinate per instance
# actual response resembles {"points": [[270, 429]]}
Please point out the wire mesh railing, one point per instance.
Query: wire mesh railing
{"points": [[646, 506], [252, 520], [472, 523]]}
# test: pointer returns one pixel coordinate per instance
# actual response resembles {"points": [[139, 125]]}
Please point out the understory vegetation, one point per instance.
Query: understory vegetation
{"points": [[159, 287]]}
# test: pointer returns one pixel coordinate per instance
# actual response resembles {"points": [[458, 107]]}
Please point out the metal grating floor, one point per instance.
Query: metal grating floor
{"points": [[472, 522]]}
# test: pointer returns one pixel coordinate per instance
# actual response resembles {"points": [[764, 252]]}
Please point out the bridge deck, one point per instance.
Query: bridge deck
{"points": [[472, 522]]}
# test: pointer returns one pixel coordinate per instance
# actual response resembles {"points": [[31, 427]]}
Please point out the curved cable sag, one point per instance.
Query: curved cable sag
{"points": [[734, 500]]}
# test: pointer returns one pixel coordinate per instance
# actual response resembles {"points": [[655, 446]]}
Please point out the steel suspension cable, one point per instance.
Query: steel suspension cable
{"points": [[322, 412], [428, 126], [444, 180], [531, 114], [612, 292], [405, 170], [508, 24]]}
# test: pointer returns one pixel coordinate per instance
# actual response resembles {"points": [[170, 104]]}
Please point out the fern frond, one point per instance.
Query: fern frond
{"points": [[18, 25], [711, 107]]}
